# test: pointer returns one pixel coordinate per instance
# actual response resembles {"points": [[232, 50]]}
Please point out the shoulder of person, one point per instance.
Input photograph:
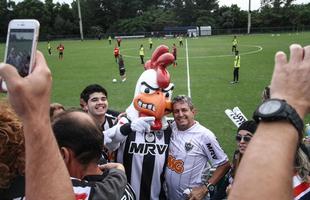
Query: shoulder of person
{"points": [[107, 115], [112, 113], [110, 185], [205, 131]]}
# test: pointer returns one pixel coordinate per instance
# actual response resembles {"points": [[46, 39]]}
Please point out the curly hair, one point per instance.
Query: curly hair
{"points": [[12, 147]]}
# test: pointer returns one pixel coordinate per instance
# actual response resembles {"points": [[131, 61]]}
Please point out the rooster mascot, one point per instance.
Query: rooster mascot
{"points": [[142, 137]]}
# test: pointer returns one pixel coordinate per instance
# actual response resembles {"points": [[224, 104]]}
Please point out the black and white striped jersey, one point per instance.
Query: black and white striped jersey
{"points": [[144, 157], [110, 121], [107, 155]]}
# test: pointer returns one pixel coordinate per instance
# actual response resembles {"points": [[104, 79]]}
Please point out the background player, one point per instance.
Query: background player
{"points": [[174, 52], [61, 49], [236, 67], [116, 53], [121, 66], [150, 43], [141, 54], [119, 40], [234, 44], [49, 48]]}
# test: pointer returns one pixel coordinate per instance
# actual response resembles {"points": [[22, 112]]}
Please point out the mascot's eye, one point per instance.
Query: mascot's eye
{"points": [[146, 90], [168, 91]]}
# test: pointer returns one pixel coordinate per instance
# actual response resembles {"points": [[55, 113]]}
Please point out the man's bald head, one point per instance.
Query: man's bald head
{"points": [[77, 131]]}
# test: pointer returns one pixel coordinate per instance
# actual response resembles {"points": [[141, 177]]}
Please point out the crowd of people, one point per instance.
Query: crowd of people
{"points": [[48, 151]]}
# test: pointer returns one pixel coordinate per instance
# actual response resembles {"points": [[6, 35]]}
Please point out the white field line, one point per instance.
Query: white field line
{"points": [[187, 71], [259, 48]]}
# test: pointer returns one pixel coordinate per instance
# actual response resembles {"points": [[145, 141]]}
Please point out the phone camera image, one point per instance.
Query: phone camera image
{"points": [[19, 49]]}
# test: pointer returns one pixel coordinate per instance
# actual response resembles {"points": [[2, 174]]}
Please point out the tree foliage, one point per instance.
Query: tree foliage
{"points": [[133, 16]]}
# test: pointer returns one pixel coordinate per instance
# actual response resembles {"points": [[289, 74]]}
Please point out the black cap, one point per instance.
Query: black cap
{"points": [[248, 126]]}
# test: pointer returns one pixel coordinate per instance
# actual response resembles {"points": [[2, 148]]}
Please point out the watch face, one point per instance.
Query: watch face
{"points": [[211, 188], [270, 107]]}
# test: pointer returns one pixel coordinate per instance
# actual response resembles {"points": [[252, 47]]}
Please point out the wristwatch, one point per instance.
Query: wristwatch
{"points": [[210, 187], [277, 110]]}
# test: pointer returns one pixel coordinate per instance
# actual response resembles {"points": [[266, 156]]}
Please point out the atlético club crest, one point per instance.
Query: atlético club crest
{"points": [[149, 137], [188, 146]]}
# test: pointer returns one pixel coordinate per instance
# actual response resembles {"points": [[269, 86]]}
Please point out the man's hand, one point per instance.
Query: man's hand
{"points": [[29, 96], [142, 124], [198, 193], [291, 80], [112, 166]]}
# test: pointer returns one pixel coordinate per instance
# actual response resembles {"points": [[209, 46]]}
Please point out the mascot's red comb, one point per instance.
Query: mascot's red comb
{"points": [[161, 59]]}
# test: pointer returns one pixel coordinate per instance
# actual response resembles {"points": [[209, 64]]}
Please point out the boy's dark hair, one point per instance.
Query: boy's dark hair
{"points": [[92, 89], [81, 136]]}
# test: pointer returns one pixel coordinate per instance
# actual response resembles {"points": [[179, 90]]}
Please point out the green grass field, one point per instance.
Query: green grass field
{"points": [[210, 68]]}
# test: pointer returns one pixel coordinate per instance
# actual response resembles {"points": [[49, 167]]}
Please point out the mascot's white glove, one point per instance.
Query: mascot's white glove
{"points": [[142, 124], [113, 137]]}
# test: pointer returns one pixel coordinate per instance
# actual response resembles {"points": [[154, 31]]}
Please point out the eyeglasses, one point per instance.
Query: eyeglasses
{"points": [[245, 138]]}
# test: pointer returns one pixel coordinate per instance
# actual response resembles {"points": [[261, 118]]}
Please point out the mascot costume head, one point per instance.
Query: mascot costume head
{"points": [[153, 90]]}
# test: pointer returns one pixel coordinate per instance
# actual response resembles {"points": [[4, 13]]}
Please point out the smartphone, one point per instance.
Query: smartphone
{"points": [[21, 45]]}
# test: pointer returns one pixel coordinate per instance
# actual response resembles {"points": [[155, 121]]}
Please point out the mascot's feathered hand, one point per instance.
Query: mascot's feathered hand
{"points": [[153, 89]]}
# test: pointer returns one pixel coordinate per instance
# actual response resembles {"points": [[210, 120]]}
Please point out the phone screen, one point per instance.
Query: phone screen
{"points": [[19, 49]]}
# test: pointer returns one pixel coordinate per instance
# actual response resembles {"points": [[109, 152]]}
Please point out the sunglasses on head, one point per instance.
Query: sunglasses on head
{"points": [[245, 138]]}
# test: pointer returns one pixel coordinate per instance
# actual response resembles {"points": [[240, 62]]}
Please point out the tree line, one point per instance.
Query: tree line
{"points": [[134, 16]]}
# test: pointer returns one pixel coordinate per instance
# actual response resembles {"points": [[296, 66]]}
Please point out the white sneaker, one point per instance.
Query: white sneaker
{"points": [[124, 80]]}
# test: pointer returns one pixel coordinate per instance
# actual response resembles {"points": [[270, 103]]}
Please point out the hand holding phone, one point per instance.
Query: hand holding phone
{"points": [[21, 46], [29, 96]]}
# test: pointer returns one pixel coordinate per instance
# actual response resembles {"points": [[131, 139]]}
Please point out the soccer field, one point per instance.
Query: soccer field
{"points": [[210, 63]]}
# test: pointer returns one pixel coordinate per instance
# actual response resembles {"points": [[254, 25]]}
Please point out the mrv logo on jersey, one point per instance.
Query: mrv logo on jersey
{"points": [[211, 151], [147, 148]]}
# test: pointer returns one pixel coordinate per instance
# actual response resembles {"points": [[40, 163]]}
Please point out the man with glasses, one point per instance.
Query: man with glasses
{"points": [[192, 146]]}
